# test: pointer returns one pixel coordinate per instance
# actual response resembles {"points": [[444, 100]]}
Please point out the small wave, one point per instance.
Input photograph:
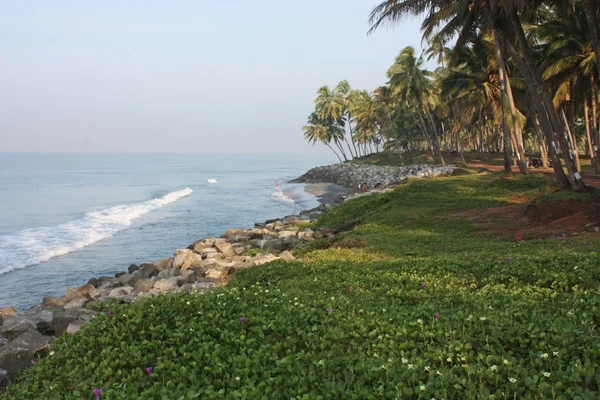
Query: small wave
{"points": [[212, 180], [33, 246], [280, 196]]}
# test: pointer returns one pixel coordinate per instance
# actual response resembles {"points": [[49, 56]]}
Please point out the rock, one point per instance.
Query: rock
{"points": [[107, 282], [75, 326], [227, 272], [52, 301], [15, 325], [4, 379], [220, 240], [318, 235], [168, 273], [3, 341], [144, 285], [239, 250], [71, 294], [7, 312], [203, 244], [43, 321], [86, 290], [132, 268], [130, 279], [288, 233], [225, 248], [93, 282], [164, 285], [187, 276], [239, 238], [208, 250], [213, 273], [147, 271], [162, 264], [62, 320], [289, 243], [591, 227], [76, 303], [287, 256], [17, 355], [187, 259], [264, 258], [271, 244], [121, 292], [119, 274]]}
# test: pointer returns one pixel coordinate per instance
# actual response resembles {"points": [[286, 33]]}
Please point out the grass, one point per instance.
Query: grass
{"points": [[412, 303]]}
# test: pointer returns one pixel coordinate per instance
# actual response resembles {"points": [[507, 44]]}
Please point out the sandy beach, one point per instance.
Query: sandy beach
{"points": [[327, 192]]}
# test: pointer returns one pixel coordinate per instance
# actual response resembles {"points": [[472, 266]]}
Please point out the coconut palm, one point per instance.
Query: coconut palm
{"points": [[317, 130]]}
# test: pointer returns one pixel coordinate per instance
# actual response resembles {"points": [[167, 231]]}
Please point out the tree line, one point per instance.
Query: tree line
{"points": [[517, 77]]}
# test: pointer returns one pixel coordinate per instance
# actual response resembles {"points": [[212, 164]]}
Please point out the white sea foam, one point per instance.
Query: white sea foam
{"points": [[280, 196], [212, 180], [33, 246]]}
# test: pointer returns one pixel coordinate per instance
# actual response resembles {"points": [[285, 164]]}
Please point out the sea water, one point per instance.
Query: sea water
{"points": [[65, 218]]}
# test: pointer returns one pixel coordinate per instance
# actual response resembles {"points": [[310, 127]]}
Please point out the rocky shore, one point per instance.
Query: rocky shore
{"points": [[351, 175], [205, 264]]}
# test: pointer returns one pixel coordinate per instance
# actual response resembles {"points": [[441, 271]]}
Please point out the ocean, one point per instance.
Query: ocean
{"points": [[65, 218]]}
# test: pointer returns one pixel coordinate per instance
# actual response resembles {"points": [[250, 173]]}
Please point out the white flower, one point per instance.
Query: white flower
{"points": [[333, 298], [237, 378], [490, 307], [449, 359], [494, 368], [546, 374], [410, 366], [555, 353], [438, 372], [420, 321], [512, 380], [470, 318], [422, 387], [545, 355], [427, 368], [51, 353], [383, 310], [187, 302], [320, 362], [404, 360], [483, 318]]}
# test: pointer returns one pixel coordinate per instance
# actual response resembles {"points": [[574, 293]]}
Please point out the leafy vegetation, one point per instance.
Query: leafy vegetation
{"points": [[412, 303]]}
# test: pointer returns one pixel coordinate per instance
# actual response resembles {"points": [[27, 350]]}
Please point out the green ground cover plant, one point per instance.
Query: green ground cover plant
{"points": [[421, 305]]}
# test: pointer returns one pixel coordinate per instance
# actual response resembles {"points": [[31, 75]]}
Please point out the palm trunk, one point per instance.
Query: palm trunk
{"points": [[542, 142], [435, 138], [507, 170], [591, 8], [573, 153], [334, 152], [588, 134], [516, 133], [351, 133], [533, 78]]}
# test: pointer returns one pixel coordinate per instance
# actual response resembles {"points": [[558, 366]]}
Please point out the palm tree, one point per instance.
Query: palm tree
{"points": [[367, 119], [344, 90], [412, 84], [316, 130], [329, 106]]}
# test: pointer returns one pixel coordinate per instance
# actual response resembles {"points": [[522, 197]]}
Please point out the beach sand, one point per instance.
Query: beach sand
{"points": [[327, 192]]}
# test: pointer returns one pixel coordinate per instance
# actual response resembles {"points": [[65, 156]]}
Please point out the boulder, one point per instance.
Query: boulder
{"points": [[144, 285], [147, 271], [203, 244], [6, 312], [225, 248], [120, 292], [71, 294], [162, 264], [17, 355], [107, 282], [239, 250], [130, 279], [287, 256], [271, 244], [207, 250], [43, 321], [239, 238], [93, 282], [187, 276], [213, 273], [132, 268], [63, 319], [227, 272], [52, 301], [76, 303], [75, 326], [86, 290], [15, 325], [164, 285], [188, 259], [4, 378], [3, 341], [288, 233], [120, 274], [264, 258], [168, 273], [289, 243]]}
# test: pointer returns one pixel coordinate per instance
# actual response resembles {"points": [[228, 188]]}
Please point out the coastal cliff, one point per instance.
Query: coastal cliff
{"points": [[351, 175]]}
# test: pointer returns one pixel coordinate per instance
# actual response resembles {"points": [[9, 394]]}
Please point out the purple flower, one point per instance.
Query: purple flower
{"points": [[66, 344], [436, 315], [423, 286], [509, 259], [350, 288], [329, 310], [32, 362], [110, 313], [149, 370], [243, 320], [498, 261], [97, 393]]}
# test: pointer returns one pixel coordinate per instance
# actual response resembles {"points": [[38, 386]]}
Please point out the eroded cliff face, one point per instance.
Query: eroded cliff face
{"points": [[375, 177]]}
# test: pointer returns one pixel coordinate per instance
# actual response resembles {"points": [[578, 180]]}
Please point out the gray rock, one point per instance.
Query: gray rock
{"points": [[120, 274], [187, 276], [132, 268], [52, 301], [271, 244], [93, 282], [164, 285], [168, 273], [17, 355], [77, 303], [3, 341], [75, 326], [289, 243], [130, 279], [239, 250], [162, 264], [144, 285], [15, 325], [4, 378], [43, 321], [148, 270], [120, 292]]}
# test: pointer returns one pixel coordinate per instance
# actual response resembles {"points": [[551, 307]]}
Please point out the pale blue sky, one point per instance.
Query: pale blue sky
{"points": [[180, 76]]}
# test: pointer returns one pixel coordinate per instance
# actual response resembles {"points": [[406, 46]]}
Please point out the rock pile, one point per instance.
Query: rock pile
{"points": [[351, 175], [203, 265]]}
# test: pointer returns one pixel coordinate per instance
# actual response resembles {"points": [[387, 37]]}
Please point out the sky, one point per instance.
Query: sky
{"points": [[182, 76]]}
